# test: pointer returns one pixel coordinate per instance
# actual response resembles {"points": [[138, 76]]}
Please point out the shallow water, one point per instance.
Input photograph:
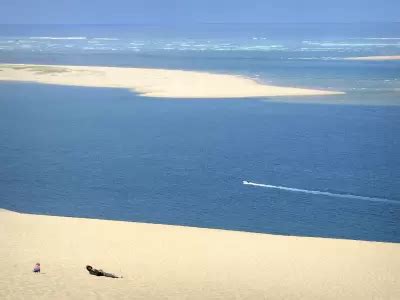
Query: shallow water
{"points": [[303, 55]]}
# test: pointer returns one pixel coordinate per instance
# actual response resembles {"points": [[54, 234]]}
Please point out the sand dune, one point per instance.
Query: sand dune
{"points": [[172, 262], [153, 82], [375, 58]]}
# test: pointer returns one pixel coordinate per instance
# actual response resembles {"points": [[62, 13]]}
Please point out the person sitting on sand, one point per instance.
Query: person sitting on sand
{"points": [[100, 272], [36, 268]]}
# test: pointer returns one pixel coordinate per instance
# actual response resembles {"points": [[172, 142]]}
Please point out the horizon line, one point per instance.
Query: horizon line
{"points": [[210, 22]]}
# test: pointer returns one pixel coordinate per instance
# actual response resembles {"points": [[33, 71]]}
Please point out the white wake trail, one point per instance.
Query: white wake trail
{"points": [[284, 188]]}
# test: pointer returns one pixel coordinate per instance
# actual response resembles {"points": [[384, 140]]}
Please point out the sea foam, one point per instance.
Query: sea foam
{"points": [[57, 38]]}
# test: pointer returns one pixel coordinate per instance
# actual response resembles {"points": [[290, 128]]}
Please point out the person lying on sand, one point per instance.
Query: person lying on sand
{"points": [[100, 272]]}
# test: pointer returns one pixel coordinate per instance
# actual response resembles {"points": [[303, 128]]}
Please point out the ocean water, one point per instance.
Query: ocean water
{"points": [[304, 55], [313, 166]]}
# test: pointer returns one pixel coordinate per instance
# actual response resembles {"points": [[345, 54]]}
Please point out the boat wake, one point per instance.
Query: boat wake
{"points": [[290, 189]]}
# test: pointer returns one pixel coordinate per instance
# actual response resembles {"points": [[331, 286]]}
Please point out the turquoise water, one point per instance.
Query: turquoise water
{"points": [[318, 170], [304, 55]]}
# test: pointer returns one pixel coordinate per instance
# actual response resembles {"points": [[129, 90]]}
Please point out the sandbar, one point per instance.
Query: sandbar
{"points": [[175, 262], [147, 82]]}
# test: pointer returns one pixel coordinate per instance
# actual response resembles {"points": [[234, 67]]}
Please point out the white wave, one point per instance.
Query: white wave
{"points": [[57, 38], [218, 47], [383, 38], [222, 49], [357, 197], [322, 49], [106, 39], [330, 58], [332, 44], [304, 58], [315, 58], [260, 48]]}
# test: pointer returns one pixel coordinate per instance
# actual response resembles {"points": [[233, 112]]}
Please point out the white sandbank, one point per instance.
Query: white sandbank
{"points": [[153, 82], [375, 58], [173, 262]]}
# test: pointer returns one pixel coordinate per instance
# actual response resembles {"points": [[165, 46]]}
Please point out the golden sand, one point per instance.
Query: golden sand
{"points": [[153, 82], [172, 262]]}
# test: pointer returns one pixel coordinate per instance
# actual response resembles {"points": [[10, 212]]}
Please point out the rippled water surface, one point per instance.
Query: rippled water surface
{"points": [[315, 169]]}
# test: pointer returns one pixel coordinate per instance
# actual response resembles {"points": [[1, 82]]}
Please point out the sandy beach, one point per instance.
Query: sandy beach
{"points": [[153, 82], [375, 58], [172, 262]]}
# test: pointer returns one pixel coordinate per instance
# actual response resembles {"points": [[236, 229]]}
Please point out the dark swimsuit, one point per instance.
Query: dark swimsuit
{"points": [[101, 273], [96, 272]]}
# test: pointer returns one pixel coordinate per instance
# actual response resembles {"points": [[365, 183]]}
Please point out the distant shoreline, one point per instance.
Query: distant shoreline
{"points": [[147, 82], [375, 58]]}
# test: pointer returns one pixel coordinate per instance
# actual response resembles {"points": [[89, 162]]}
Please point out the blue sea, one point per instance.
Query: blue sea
{"points": [[312, 166]]}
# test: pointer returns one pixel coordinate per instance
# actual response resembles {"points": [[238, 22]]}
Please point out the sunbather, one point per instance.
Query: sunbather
{"points": [[100, 272]]}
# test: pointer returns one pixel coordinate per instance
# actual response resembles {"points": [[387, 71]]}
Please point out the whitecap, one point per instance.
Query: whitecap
{"points": [[58, 38], [382, 38], [106, 39], [332, 44]]}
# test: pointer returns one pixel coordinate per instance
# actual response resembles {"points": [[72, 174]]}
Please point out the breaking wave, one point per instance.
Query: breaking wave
{"points": [[57, 38], [382, 38], [345, 44], [106, 39]]}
